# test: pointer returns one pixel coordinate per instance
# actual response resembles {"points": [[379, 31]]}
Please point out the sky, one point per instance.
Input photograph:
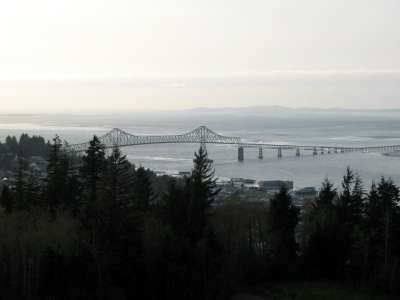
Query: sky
{"points": [[130, 55]]}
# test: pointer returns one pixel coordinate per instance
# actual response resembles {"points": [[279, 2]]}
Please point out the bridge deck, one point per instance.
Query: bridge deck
{"points": [[203, 135]]}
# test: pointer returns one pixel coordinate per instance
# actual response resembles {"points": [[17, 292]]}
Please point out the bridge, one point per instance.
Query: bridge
{"points": [[203, 135]]}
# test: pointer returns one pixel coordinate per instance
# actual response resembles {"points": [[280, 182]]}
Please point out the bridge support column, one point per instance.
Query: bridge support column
{"points": [[240, 154], [279, 153], [315, 151], [336, 150], [298, 152], [203, 146], [260, 153], [329, 150]]}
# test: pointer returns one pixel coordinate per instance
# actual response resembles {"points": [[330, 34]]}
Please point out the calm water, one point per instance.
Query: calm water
{"points": [[349, 129]]}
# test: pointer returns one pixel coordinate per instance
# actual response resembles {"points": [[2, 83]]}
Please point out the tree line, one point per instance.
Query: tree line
{"points": [[98, 227], [26, 146]]}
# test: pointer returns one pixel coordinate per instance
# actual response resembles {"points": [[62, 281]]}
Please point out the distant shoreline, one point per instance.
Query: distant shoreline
{"points": [[392, 154]]}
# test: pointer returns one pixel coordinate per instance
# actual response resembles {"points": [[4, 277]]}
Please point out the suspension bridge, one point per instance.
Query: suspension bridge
{"points": [[203, 135]]}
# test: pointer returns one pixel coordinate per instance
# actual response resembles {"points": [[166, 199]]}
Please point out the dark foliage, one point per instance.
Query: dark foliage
{"points": [[98, 228], [26, 146], [284, 218]]}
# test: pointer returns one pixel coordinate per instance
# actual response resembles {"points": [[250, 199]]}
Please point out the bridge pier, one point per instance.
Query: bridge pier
{"points": [[279, 153], [240, 153], [203, 146], [203, 135], [260, 153]]}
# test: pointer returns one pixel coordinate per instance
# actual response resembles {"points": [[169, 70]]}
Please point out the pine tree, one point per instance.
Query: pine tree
{"points": [[326, 196], [142, 190], [94, 163], [57, 172], [93, 216], [344, 201], [389, 195], [6, 200], [174, 207], [202, 192], [373, 232], [191, 246], [118, 179], [283, 218], [357, 201], [72, 197], [351, 199], [381, 225], [322, 238], [12, 145], [34, 191], [21, 184], [117, 227]]}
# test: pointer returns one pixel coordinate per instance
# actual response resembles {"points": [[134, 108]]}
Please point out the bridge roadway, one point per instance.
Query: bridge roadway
{"points": [[203, 135]]}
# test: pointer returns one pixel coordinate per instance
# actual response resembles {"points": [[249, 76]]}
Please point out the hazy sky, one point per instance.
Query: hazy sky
{"points": [[71, 55]]}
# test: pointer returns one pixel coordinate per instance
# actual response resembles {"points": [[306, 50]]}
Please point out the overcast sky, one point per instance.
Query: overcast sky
{"points": [[119, 55]]}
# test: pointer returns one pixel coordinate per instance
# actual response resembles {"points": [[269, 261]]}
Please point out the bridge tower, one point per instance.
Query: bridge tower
{"points": [[298, 152], [240, 153], [203, 138], [260, 153], [280, 153]]}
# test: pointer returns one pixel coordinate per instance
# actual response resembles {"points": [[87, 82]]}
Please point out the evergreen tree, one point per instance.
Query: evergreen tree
{"points": [[326, 196], [351, 200], [73, 190], [118, 179], [349, 209], [21, 184], [373, 233], [6, 200], [344, 201], [115, 225], [381, 228], [202, 192], [33, 193], [389, 196], [284, 217], [94, 163], [142, 190], [93, 217], [175, 206], [57, 172], [322, 238], [191, 248], [12, 144]]}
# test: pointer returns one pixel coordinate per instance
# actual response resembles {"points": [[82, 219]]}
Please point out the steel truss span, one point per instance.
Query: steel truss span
{"points": [[203, 135], [120, 138]]}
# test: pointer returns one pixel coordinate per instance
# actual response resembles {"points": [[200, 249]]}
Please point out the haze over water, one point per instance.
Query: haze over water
{"points": [[272, 125]]}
